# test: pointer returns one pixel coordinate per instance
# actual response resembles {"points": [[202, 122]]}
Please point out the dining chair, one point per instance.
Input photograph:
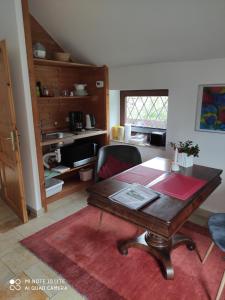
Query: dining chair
{"points": [[113, 159], [216, 225], [118, 158]]}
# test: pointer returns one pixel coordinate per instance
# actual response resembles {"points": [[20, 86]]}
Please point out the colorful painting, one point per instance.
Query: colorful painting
{"points": [[211, 108]]}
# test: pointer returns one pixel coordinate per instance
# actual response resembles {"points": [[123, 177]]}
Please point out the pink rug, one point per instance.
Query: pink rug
{"points": [[87, 257]]}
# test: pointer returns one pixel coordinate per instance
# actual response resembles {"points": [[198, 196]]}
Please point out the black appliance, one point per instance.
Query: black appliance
{"points": [[76, 120], [78, 154], [158, 138]]}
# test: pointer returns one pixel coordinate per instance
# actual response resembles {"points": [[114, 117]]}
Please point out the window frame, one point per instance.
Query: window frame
{"points": [[146, 93]]}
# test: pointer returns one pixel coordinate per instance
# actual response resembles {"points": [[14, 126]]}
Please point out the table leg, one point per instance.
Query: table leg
{"points": [[159, 247], [180, 239]]}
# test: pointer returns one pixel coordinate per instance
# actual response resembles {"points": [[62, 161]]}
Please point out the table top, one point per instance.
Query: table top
{"points": [[165, 215]]}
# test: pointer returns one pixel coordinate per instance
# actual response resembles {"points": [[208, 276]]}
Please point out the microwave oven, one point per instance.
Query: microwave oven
{"points": [[78, 154]]}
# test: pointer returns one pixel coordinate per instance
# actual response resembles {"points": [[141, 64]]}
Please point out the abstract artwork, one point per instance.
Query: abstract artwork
{"points": [[211, 108]]}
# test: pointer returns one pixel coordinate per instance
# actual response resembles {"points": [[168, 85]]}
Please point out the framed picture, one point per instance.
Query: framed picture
{"points": [[211, 108]]}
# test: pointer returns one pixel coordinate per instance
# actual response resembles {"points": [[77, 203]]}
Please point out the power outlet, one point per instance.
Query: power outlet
{"points": [[99, 84]]}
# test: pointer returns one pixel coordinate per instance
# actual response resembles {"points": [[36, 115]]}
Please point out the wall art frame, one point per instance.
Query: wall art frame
{"points": [[210, 113]]}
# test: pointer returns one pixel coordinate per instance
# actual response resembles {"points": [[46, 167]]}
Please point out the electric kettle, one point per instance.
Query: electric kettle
{"points": [[90, 121]]}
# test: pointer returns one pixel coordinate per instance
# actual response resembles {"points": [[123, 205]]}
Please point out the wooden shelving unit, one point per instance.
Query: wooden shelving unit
{"points": [[55, 174], [65, 98], [57, 63], [70, 186], [72, 182], [50, 114]]}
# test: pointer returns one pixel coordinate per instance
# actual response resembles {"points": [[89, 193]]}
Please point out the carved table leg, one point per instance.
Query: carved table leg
{"points": [[138, 242], [180, 239], [159, 247]]}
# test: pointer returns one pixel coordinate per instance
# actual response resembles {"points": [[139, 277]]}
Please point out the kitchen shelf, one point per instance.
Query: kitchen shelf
{"points": [[51, 174], [64, 98], [70, 186], [57, 63], [81, 135]]}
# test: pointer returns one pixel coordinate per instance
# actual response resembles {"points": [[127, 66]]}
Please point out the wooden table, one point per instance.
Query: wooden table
{"points": [[161, 218]]}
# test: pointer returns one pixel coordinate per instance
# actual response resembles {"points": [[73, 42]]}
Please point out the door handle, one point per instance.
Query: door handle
{"points": [[12, 139]]}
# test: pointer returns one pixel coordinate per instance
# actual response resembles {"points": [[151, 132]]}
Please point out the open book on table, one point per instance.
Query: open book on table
{"points": [[135, 196]]}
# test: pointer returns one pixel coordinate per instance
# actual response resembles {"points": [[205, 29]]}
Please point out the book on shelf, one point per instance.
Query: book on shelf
{"points": [[61, 169], [135, 196]]}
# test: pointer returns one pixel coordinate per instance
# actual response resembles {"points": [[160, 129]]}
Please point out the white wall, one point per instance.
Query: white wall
{"points": [[182, 80], [114, 108], [11, 29]]}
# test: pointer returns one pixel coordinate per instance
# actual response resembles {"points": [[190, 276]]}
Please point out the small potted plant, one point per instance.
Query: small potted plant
{"points": [[186, 151]]}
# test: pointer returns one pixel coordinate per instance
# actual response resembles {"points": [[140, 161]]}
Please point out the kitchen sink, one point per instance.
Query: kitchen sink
{"points": [[56, 135]]}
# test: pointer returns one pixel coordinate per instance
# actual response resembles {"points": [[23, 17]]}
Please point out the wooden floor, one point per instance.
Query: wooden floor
{"points": [[8, 218]]}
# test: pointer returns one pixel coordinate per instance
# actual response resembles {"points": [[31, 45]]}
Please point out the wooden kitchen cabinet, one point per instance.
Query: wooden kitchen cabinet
{"points": [[50, 114], [58, 77]]}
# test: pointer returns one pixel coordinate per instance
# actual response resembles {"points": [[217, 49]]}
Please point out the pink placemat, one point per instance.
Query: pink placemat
{"points": [[139, 174], [179, 186], [147, 172]]}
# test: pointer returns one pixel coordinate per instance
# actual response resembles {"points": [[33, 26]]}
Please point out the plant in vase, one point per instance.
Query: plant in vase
{"points": [[186, 152]]}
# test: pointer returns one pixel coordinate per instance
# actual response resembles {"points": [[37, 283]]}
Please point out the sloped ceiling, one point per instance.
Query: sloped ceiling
{"points": [[126, 32]]}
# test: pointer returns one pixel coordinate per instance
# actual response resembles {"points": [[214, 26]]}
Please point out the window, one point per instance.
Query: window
{"points": [[145, 110]]}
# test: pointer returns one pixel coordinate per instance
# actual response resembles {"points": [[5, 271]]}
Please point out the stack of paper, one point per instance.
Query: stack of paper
{"points": [[135, 196]]}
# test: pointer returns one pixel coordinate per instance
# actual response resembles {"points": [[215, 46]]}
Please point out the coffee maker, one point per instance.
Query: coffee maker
{"points": [[76, 120]]}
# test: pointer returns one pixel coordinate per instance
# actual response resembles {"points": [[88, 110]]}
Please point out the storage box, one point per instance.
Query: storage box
{"points": [[53, 186], [86, 174]]}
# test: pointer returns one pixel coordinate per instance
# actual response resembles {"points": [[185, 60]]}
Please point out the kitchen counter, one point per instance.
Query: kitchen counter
{"points": [[70, 137]]}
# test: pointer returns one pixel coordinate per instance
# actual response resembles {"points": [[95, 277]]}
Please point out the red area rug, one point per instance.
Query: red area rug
{"points": [[87, 257]]}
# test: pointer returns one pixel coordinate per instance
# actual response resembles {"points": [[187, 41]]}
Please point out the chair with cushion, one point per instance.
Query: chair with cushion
{"points": [[216, 226], [113, 159]]}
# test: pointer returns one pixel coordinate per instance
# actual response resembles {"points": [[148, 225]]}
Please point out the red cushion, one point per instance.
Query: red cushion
{"points": [[113, 166]]}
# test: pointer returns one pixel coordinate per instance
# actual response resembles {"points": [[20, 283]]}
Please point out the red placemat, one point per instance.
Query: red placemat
{"points": [[130, 177], [147, 172], [139, 174], [179, 186]]}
